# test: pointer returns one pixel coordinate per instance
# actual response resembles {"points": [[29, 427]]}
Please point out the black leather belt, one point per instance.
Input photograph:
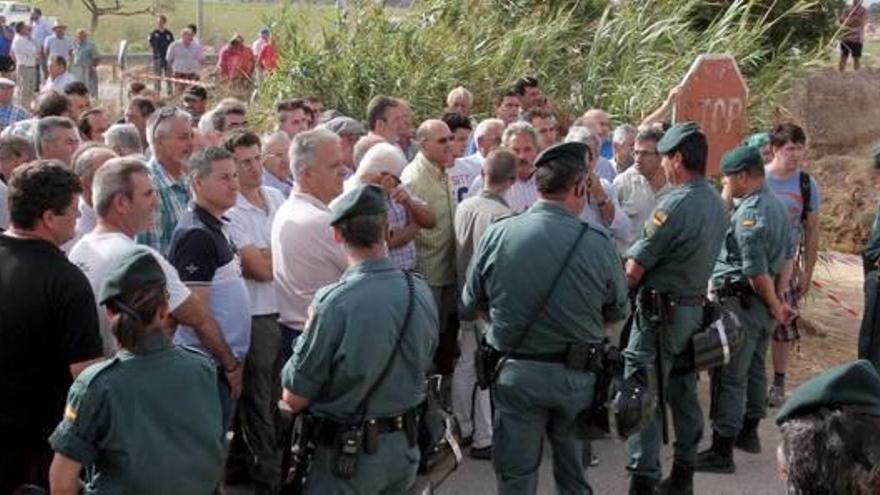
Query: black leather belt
{"points": [[327, 430], [579, 357], [551, 357], [676, 300]]}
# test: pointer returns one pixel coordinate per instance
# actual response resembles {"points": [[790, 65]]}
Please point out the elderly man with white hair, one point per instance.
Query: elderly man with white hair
{"points": [[466, 169], [622, 141], [522, 140], [305, 256], [604, 168], [86, 162], [602, 208], [382, 166]]}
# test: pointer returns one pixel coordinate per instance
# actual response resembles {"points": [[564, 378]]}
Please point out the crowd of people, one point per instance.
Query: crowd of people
{"points": [[167, 277]]}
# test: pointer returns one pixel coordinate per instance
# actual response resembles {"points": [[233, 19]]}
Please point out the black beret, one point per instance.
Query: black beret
{"points": [[675, 135], [365, 199], [573, 154], [741, 158]]}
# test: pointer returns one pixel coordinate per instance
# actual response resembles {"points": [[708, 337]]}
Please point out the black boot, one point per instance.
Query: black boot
{"points": [[679, 482], [747, 439], [641, 485], [718, 458]]}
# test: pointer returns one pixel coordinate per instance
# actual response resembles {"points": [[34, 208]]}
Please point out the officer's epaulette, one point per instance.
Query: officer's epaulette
{"points": [[325, 292], [89, 374], [195, 350]]}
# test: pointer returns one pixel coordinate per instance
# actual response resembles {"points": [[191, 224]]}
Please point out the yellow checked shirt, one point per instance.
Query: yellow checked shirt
{"points": [[435, 248]]}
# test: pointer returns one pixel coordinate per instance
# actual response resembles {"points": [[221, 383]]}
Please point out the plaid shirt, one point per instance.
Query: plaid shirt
{"points": [[173, 198], [403, 257], [10, 114]]}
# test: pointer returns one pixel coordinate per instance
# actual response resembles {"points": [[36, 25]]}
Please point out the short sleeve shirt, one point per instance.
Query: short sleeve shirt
{"points": [[60, 47], [96, 253], [251, 226], [204, 256], [48, 322], [788, 190], [159, 43]]}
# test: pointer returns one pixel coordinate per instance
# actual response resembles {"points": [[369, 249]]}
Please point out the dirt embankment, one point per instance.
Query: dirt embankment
{"points": [[841, 115]]}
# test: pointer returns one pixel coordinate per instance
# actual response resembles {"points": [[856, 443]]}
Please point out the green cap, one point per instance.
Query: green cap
{"points": [[675, 135], [137, 269], [741, 158], [854, 385], [573, 154], [365, 199], [758, 140]]}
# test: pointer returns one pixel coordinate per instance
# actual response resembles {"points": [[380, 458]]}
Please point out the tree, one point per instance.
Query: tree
{"points": [[100, 8]]}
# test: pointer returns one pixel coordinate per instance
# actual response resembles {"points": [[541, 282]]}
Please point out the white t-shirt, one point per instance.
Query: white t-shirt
{"points": [[463, 173], [250, 226], [95, 254]]}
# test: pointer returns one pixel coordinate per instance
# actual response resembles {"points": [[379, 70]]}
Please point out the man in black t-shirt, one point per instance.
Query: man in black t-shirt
{"points": [[160, 39], [48, 322]]}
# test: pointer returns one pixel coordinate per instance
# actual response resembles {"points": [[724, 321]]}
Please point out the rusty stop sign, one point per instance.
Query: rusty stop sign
{"points": [[715, 95]]}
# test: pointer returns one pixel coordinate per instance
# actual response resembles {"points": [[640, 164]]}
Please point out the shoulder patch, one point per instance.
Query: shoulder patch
{"points": [[70, 413], [659, 218], [748, 222]]}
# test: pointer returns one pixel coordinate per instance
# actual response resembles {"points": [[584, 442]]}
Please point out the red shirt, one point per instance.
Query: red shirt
{"points": [[235, 62], [268, 57]]}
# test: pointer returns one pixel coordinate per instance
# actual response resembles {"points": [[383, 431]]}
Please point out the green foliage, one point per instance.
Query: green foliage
{"points": [[621, 56]]}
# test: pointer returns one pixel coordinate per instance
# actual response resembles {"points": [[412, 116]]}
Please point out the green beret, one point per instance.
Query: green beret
{"points": [[573, 154], [758, 140], [741, 158], [137, 269], [854, 385], [365, 199], [675, 135]]}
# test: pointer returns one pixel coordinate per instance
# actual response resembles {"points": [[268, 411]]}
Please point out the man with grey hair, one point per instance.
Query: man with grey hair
{"points": [[522, 140], [170, 138], [640, 187], [599, 123], [382, 166], [622, 142], [124, 140], [487, 137], [14, 151], [276, 162], [305, 256], [56, 138], [349, 131], [427, 178], [363, 145], [582, 134], [86, 162], [208, 263], [124, 199], [601, 208], [471, 406]]}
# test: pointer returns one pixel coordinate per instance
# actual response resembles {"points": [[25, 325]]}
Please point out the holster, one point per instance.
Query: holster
{"points": [[742, 291], [302, 449], [486, 360], [593, 422]]}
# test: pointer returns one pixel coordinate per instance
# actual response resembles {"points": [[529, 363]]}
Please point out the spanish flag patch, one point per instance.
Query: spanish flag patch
{"points": [[70, 413], [659, 218], [748, 222]]}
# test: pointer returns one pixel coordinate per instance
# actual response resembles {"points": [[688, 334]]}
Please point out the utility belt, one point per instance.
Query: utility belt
{"points": [[329, 433], [740, 290], [659, 303], [579, 357]]}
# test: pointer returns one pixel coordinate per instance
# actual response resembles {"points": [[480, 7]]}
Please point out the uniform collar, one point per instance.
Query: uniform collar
{"points": [[371, 266], [157, 341], [551, 207]]}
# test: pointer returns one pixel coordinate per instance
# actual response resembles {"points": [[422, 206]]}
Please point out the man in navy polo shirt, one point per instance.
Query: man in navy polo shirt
{"points": [[207, 261]]}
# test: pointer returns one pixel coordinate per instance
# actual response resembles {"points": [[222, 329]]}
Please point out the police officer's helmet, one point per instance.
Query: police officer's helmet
{"points": [[717, 344], [633, 405]]}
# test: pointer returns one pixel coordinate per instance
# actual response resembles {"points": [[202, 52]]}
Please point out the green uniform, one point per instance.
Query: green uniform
{"points": [[146, 423], [678, 249], [350, 335], [509, 276], [869, 333], [757, 243]]}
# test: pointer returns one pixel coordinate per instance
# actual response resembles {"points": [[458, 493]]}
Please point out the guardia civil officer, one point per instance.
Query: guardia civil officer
{"points": [[869, 333], [547, 282], [670, 267], [359, 367], [148, 420], [745, 278]]}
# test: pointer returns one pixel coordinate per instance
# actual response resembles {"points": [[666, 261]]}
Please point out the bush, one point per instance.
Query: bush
{"points": [[622, 56]]}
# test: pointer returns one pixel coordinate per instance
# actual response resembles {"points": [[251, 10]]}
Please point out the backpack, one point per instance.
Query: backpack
{"points": [[805, 195]]}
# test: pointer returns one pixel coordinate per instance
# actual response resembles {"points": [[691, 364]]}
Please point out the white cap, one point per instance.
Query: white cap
{"points": [[6, 82], [383, 157]]}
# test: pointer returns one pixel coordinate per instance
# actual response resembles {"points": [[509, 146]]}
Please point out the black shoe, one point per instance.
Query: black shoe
{"points": [[641, 485], [482, 453], [718, 458], [679, 482], [747, 440]]}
